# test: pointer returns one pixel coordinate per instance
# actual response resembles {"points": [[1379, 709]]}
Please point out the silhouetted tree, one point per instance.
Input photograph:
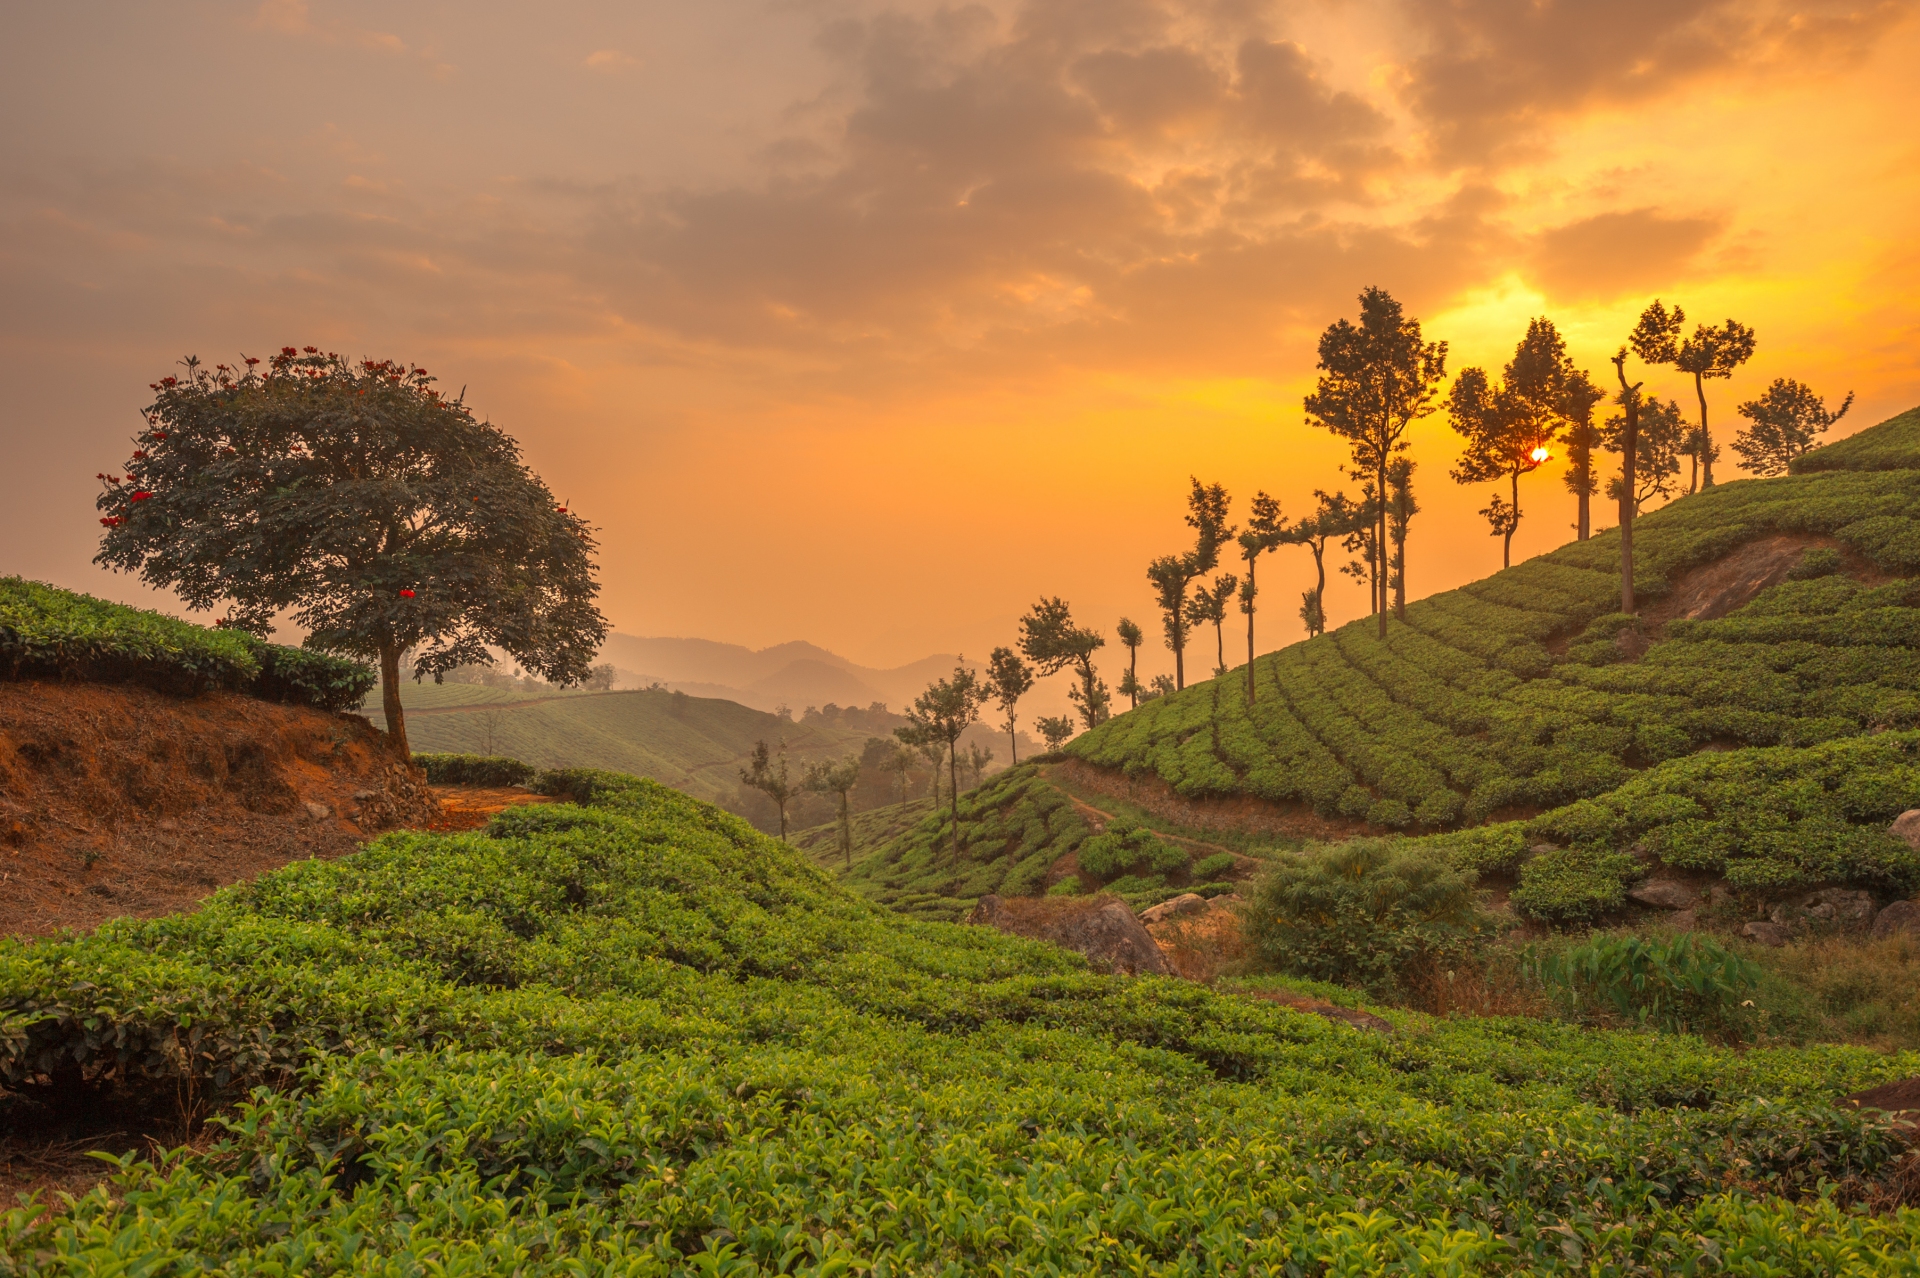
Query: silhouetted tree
{"points": [[600, 678], [901, 761], [1510, 428], [1784, 422], [978, 757], [941, 714], [1052, 642], [1710, 353], [1401, 508], [1209, 606], [767, 773], [395, 526], [1008, 680], [837, 778], [1055, 729], [1581, 438], [1265, 531], [1376, 378], [1335, 515], [1629, 450], [1132, 636], [1660, 443], [1171, 574]]}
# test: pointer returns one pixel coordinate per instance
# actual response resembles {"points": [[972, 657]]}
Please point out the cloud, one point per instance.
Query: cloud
{"points": [[1609, 255], [609, 61]]}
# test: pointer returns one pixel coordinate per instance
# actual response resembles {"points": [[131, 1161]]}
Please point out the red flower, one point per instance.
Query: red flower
{"points": [[111, 521], [311, 350], [140, 495], [288, 350], [158, 434], [560, 510], [251, 361], [406, 594], [169, 381], [139, 454]]}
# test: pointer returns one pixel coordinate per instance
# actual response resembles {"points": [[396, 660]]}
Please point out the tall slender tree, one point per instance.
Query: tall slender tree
{"points": [[1661, 442], [1209, 606], [1629, 452], [1132, 637], [1713, 352], [1265, 531], [1782, 424], [1050, 640], [1170, 575], [1377, 378], [1335, 515], [1401, 508], [1008, 680], [1581, 438], [1510, 427], [836, 777], [941, 714], [767, 773]]}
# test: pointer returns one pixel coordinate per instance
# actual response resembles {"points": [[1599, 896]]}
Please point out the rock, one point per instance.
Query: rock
{"points": [[1774, 934], [1683, 920], [1663, 894], [1845, 908], [1906, 828], [319, 811], [1100, 927], [1188, 903], [361, 796], [1902, 918], [1642, 853], [1226, 901]]}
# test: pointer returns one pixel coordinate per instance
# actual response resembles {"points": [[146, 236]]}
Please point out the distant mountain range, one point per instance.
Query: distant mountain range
{"points": [[796, 674]]}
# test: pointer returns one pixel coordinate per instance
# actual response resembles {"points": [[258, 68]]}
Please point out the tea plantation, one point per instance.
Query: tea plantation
{"points": [[631, 1035], [1772, 745]]}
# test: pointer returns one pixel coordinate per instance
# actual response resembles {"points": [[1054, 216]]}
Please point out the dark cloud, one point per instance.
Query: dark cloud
{"points": [[1611, 254]]}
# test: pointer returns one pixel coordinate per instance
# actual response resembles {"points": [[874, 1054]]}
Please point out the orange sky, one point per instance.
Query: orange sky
{"points": [[868, 324]]}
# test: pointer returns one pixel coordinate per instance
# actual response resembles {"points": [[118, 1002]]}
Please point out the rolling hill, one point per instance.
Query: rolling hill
{"points": [[796, 674]]}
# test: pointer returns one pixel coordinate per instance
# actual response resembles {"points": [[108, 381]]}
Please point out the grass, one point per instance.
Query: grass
{"points": [[636, 1036]]}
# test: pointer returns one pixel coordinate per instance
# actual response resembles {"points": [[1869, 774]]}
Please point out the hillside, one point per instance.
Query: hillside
{"points": [[636, 1036], [796, 674]]}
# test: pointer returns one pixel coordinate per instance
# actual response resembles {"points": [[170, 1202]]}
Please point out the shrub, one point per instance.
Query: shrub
{"points": [[1213, 866], [1687, 983], [1572, 885], [1366, 913], [1068, 886], [1127, 846], [474, 769]]}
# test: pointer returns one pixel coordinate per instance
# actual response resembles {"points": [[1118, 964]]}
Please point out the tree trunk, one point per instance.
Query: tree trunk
{"points": [[1706, 440], [1380, 548], [953, 792], [846, 829], [783, 820], [1179, 659], [1585, 526], [1133, 676], [1250, 599], [1220, 643], [1630, 444], [390, 701], [1013, 741], [1513, 526]]}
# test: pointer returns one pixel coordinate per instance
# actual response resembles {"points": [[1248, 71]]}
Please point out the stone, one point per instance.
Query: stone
{"points": [[1100, 927], [1906, 828], [1187, 903], [1846, 909], [1663, 894], [1683, 920], [319, 811], [1774, 934], [361, 796], [1902, 918], [1642, 853]]}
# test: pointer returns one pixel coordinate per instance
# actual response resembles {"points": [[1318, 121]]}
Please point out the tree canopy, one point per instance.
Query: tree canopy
{"points": [[1008, 680], [1049, 639], [381, 512], [941, 714], [1712, 352], [1782, 424]]}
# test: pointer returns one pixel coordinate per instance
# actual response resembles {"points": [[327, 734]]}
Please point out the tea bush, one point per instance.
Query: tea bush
{"points": [[474, 769], [639, 1037]]}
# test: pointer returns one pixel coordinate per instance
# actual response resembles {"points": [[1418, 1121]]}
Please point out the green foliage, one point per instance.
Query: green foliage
{"points": [[1572, 885], [49, 633], [1369, 912], [640, 1037], [1211, 867], [474, 769], [1685, 983], [1892, 445], [1127, 846]]}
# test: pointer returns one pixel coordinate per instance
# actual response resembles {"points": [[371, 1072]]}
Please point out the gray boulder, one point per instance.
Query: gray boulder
{"points": [[1187, 903], [1902, 918], [1100, 927], [1663, 894], [1906, 828], [319, 811], [1844, 908], [1774, 934]]}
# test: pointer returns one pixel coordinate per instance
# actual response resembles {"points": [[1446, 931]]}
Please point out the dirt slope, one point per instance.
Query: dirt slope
{"points": [[116, 800]]}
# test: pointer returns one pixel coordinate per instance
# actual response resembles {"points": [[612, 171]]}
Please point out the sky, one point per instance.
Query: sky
{"points": [[869, 324]]}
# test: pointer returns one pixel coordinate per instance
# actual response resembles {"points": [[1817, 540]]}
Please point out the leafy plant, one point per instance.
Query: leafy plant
{"points": [[1685, 983], [474, 769]]}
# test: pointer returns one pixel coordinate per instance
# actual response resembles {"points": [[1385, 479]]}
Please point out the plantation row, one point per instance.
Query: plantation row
{"points": [[47, 633], [638, 1037]]}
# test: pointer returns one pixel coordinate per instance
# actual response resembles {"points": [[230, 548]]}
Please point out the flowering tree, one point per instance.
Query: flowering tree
{"points": [[380, 511]]}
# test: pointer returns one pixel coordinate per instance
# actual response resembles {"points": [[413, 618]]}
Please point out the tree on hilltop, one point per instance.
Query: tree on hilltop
{"points": [[1050, 640], [394, 525], [1401, 508], [1629, 449], [1208, 606], [1266, 530], [836, 778], [1335, 515], [1055, 729], [1170, 575], [1581, 438], [1783, 423], [766, 771], [1510, 427], [939, 716], [1712, 352], [1131, 636], [1008, 680], [1660, 443], [1377, 377]]}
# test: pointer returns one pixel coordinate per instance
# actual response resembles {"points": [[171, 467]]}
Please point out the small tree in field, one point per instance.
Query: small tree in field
{"points": [[1659, 444], [1008, 680], [837, 778], [1056, 729], [766, 771], [388, 519], [1782, 425], [940, 715], [1266, 530], [1712, 352], [1335, 515], [1401, 508], [1132, 637], [1171, 574], [1053, 643], [1209, 607]]}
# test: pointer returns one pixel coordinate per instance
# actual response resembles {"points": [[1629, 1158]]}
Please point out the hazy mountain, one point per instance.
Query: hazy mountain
{"points": [[797, 674]]}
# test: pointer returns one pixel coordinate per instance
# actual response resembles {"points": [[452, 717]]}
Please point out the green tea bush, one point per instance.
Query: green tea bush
{"points": [[1892, 445], [1573, 885], [48, 633], [474, 769], [1686, 983], [1127, 846], [639, 1037], [1368, 913], [1210, 867]]}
